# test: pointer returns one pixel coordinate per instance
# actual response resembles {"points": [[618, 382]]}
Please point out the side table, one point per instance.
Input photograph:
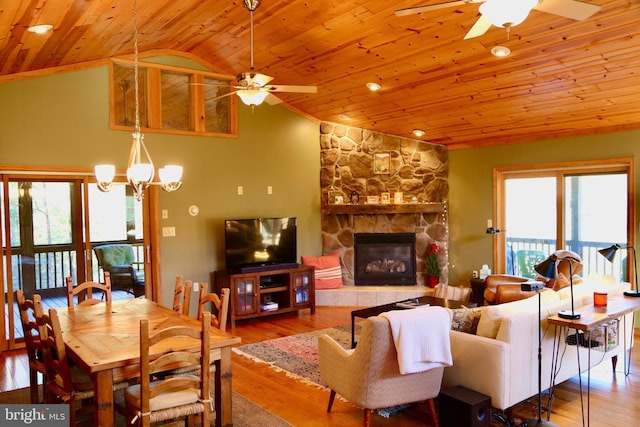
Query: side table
{"points": [[590, 318], [477, 287]]}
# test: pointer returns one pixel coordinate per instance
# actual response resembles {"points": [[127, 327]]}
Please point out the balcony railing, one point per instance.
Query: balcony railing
{"points": [[52, 264], [592, 261]]}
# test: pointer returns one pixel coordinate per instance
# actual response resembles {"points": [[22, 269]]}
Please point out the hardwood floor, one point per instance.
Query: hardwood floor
{"points": [[615, 398]]}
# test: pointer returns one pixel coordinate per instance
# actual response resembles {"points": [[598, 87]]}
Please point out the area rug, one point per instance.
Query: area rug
{"points": [[245, 412], [296, 355]]}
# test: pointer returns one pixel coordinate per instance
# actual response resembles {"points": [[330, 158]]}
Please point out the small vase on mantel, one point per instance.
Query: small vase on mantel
{"points": [[433, 281]]}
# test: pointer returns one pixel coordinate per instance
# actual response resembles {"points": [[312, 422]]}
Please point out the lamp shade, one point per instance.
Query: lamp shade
{"points": [[170, 173], [140, 172], [507, 13], [610, 252], [105, 173], [252, 96], [547, 268]]}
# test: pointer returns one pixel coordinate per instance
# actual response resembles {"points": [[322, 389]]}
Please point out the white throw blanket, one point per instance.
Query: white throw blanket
{"points": [[421, 337]]}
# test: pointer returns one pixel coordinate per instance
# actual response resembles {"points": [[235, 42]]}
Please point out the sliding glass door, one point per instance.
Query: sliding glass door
{"points": [[50, 225], [581, 208]]}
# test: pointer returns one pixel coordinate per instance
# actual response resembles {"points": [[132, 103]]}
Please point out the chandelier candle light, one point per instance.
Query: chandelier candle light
{"points": [[140, 169]]}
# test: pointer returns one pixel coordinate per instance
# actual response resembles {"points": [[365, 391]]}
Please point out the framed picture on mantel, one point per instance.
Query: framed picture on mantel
{"points": [[381, 163]]}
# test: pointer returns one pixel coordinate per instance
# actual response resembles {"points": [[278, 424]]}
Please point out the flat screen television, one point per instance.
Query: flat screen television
{"points": [[260, 243]]}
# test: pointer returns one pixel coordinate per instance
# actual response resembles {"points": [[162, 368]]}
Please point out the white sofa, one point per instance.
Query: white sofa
{"points": [[506, 367]]}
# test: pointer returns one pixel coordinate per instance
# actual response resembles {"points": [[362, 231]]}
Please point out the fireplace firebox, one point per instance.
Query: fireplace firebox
{"points": [[385, 259]]}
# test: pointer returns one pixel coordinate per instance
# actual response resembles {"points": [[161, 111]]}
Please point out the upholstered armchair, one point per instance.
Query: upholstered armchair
{"points": [[369, 375], [119, 261], [502, 288]]}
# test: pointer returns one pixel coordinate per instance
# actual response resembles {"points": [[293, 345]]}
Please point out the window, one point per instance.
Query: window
{"points": [[580, 207], [173, 100]]}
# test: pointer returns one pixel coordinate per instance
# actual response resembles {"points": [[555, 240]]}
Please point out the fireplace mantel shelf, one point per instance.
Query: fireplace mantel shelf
{"points": [[382, 209]]}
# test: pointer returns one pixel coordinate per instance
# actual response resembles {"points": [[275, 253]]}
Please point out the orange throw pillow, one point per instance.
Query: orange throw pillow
{"points": [[328, 273]]}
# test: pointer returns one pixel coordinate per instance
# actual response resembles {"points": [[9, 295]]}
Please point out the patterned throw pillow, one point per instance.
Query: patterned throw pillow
{"points": [[328, 273], [466, 319], [457, 293]]}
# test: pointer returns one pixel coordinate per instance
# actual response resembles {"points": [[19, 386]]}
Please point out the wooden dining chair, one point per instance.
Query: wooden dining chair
{"points": [[32, 343], [65, 382], [182, 296], [174, 397], [84, 291], [59, 385], [220, 304]]}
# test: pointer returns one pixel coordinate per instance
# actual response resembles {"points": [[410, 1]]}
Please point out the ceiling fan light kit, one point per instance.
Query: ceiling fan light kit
{"points": [[253, 88], [509, 13], [253, 97]]}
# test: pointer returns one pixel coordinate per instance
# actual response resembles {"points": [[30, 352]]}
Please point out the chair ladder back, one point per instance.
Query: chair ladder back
{"points": [[32, 341], [59, 383], [182, 296], [151, 363], [84, 291], [219, 303]]}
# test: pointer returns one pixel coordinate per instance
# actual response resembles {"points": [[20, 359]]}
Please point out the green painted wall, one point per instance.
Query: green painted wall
{"points": [[471, 187], [62, 120]]}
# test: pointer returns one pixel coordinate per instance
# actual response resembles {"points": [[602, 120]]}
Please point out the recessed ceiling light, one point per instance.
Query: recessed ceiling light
{"points": [[373, 86], [344, 117], [418, 132], [40, 29], [500, 51]]}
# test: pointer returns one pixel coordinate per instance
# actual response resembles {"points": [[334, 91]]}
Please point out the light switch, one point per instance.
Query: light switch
{"points": [[240, 190], [165, 213], [168, 232]]}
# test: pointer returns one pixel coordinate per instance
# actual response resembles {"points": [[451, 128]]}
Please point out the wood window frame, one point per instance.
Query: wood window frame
{"points": [[153, 99], [560, 170]]}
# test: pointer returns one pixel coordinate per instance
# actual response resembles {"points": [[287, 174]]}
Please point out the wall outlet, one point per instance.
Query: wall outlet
{"points": [[196, 286]]}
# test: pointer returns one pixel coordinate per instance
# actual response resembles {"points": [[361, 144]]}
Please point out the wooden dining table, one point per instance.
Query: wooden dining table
{"points": [[104, 341]]}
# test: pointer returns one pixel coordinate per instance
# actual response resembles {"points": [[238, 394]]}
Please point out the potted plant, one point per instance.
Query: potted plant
{"points": [[433, 268]]}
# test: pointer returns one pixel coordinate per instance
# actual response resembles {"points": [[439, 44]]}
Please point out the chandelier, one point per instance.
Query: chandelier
{"points": [[140, 168]]}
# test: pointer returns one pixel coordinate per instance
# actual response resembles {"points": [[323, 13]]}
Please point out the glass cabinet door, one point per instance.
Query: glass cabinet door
{"points": [[301, 287], [245, 295]]}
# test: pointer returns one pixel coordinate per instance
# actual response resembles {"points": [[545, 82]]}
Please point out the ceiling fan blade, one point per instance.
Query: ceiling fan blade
{"points": [[420, 9], [571, 9], [481, 26], [292, 88], [221, 96], [271, 99]]}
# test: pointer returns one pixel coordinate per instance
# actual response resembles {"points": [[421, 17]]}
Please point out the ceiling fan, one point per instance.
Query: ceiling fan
{"points": [[509, 13], [253, 88]]}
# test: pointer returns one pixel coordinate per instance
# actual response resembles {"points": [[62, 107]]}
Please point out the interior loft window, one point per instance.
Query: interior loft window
{"points": [[579, 207], [175, 101], [172, 100]]}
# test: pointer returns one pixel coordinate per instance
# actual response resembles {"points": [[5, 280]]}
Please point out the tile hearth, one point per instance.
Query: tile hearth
{"points": [[366, 296]]}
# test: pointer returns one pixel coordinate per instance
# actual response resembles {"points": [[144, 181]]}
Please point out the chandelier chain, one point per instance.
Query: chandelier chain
{"points": [[136, 81]]}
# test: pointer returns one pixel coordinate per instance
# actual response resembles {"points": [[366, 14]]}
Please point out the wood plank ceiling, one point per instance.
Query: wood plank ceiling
{"points": [[563, 78]]}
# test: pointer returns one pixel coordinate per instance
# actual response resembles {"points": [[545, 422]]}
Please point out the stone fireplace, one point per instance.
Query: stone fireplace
{"points": [[385, 259], [416, 170]]}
